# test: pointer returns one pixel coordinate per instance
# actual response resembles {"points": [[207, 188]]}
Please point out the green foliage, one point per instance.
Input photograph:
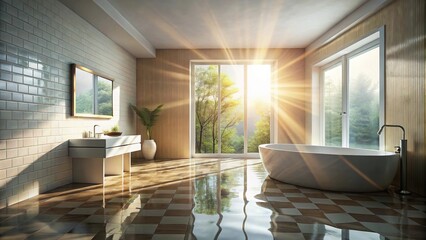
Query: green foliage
{"points": [[332, 110], [364, 114], [206, 195], [206, 103], [231, 141], [115, 128], [261, 134], [148, 117], [215, 189], [207, 111], [208, 108], [84, 102], [104, 97], [231, 116]]}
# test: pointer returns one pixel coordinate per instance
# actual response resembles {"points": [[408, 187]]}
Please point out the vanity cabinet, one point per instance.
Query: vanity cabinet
{"points": [[93, 158]]}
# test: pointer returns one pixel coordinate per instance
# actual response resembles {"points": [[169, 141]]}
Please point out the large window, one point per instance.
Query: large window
{"points": [[351, 98], [231, 107]]}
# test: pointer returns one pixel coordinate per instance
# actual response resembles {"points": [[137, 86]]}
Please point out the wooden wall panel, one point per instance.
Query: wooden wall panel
{"points": [[404, 22], [166, 80]]}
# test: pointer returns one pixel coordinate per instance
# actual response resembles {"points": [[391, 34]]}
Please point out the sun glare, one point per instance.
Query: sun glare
{"points": [[259, 83]]}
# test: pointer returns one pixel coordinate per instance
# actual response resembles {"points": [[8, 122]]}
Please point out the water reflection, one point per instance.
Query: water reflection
{"points": [[208, 199], [323, 231], [226, 204], [230, 203]]}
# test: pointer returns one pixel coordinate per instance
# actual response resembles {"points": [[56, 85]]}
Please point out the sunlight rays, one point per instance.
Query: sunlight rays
{"points": [[268, 24], [164, 26], [360, 173], [291, 128], [176, 104], [287, 89], [215, 28]]}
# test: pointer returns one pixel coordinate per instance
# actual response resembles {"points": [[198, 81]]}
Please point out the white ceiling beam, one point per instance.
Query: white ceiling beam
{"points": [[112, 24], [128, 27]]}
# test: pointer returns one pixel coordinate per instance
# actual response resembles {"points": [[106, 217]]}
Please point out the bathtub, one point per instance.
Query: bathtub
{"points": [[330, 168]]}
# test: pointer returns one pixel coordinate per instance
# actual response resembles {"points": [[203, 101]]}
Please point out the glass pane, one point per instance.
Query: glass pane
{"points": [[206, 108], [104, 96], [333, 106], [258, 105], [364, 99], [84, 90], [232, 108]]}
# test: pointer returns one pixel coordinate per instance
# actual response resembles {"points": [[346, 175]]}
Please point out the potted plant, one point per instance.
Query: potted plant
{"points": [[115, 131], [148, 119]]}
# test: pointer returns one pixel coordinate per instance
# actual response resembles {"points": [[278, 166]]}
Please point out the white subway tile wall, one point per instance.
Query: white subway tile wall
{"points": [[39, 41]]}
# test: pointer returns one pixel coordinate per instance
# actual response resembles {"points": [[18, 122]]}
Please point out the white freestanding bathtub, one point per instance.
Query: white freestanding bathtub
{"points": [[330, 168]]}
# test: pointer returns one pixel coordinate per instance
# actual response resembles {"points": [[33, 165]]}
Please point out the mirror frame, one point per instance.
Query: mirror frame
{"points": [[74, 113]]}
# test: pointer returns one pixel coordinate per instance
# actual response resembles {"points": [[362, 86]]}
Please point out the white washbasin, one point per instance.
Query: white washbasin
{"points": [[103, 147], [105, 142]]}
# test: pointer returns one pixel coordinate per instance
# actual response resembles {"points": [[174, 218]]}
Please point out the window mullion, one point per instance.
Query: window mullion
{"points": [[345, 102], [245, 111], [322, 108], [219, 137], [95, 94]]}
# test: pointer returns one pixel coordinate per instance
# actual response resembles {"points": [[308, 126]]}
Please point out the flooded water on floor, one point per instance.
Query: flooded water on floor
{"points": [[210, 199]]}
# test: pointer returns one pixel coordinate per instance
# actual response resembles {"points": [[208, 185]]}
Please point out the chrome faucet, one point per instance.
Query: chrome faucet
{"points": [[402, 150], [390, 125], [94, 130]]}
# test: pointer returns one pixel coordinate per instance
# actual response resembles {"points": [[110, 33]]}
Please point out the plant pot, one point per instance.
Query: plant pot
{"points": [[113, 134], [148, 149]]}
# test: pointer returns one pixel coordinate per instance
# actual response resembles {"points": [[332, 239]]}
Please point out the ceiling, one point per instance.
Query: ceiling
{"points": [[142, 26]]}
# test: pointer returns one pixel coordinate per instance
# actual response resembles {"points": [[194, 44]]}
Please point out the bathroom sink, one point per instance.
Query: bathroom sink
{"points": [[106, 142], [94, 158], [103, 147]]}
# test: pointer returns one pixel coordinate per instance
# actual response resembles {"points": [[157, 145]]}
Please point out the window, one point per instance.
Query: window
{"points": [[351, 93], [231, 107]]}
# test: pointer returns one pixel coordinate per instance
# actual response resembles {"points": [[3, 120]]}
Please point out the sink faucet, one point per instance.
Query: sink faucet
{"points": [[94, 130], [402, 157]]}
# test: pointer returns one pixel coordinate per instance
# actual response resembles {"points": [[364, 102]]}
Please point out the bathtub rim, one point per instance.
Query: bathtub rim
{"points": [[340, 150]]}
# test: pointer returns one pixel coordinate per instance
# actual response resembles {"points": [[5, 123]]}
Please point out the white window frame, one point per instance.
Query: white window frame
{"points": [[274, 104], [373, 40]]}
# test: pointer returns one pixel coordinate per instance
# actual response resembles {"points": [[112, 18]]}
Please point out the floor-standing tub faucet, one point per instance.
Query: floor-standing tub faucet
{"points": [[402, 157]]}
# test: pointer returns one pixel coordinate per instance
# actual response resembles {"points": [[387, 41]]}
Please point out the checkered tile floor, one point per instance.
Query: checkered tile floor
{"points": [[210, 199]]}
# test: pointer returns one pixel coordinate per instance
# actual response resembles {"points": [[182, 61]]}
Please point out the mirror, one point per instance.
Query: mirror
{"points": [[91, 93]]}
